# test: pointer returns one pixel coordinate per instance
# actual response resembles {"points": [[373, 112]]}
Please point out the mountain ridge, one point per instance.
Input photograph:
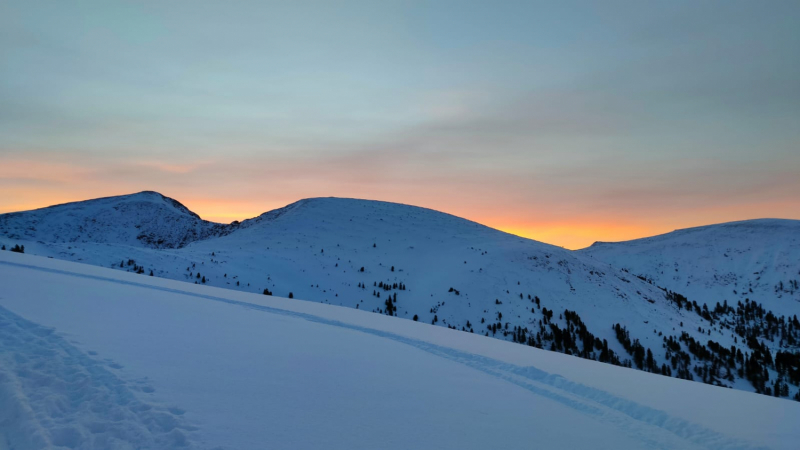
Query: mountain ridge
{"points": [[422, 264], [730, 261], [277, 212], [147, 218], [736, 223]]}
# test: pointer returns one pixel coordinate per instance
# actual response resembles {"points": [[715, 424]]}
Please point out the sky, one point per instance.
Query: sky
{"points": [[566, 122]]}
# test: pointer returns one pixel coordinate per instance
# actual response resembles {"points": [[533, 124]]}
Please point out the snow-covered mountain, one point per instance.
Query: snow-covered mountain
{"points": [[146, 219], [424, 265], [756, 259], [96, 359]]}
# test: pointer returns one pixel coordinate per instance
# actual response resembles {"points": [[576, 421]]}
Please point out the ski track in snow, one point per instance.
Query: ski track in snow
{"points": [[49, 382], [55, 395]]}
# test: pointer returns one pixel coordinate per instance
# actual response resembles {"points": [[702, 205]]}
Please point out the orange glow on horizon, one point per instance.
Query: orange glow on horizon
{"points": [[223, 211], [576, 233], [571, 236], [574, 236]]}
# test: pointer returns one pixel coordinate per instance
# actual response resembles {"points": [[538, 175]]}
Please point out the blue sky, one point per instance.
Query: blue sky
{"points": [[563, 121]]}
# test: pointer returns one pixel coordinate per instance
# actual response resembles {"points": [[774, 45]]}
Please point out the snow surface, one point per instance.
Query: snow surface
{"points": [[147, 219], [756, 259], [458, 273], [315, 248], [95, 358]]}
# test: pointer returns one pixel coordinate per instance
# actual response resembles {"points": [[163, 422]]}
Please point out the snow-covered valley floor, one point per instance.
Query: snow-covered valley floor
{"points": [[92, 358]]}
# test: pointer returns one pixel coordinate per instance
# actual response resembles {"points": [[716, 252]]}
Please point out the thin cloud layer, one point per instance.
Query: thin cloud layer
{"points": [[569, 123]]}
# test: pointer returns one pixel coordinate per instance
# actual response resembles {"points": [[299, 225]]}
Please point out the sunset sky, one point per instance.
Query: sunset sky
{"points": [[566, 122]]}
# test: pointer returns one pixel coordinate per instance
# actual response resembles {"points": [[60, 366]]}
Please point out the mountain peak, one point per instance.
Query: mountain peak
{"points": [[168, 200], [144, 218]]}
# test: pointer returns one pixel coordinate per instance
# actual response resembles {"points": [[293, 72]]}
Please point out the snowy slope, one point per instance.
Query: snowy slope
{"points": [[440, 269], [100, 359], [315, 249], [145, 219], [756, 259]]}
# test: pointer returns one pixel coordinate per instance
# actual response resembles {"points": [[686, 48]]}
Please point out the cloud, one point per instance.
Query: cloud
{"points": [[530, 117]]}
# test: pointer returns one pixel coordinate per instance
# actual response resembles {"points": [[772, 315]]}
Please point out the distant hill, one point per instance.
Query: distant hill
{"points": [[146, 219], [756, 259]]}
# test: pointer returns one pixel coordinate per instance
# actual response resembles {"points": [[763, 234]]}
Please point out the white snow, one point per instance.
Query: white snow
{"points": [[756, 259], [315, 249], [92, 358], [144, 219]]}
